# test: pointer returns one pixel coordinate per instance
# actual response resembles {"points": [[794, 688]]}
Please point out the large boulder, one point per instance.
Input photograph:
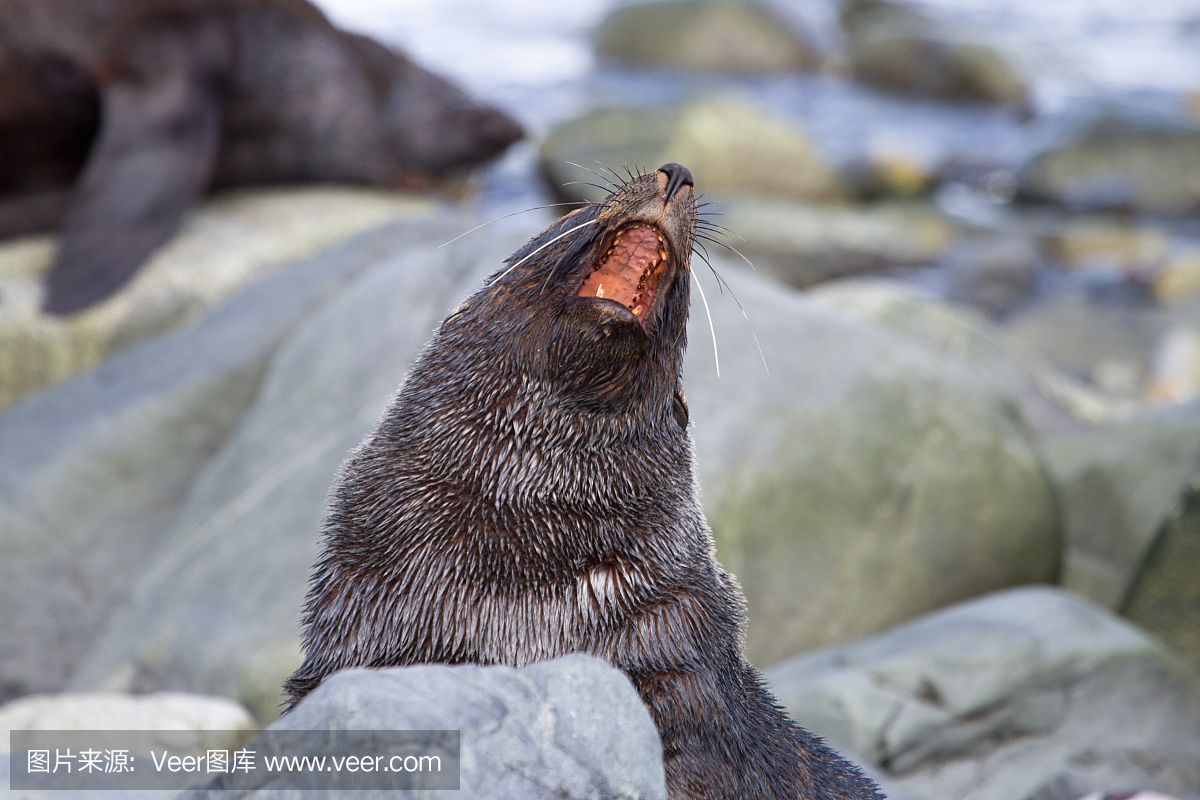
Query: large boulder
{"points": [[573, 727], [92, 471], [195, 721], [1110, 344], [172, 720], [245, 536], [225, 243], [709, 35], [1119, 163], [871, 477], [864, 460], [729, 144], [900, 49], [1165, 597], [955, 333], [1117, 487], [802, 244], [994, 274], [1028, 693]]}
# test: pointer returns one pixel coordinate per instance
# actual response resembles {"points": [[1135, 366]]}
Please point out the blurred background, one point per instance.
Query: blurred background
{"points": [[962, 504]]}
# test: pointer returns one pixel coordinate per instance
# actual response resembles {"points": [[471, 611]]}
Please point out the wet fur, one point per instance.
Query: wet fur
{"points": [[530, 493], [116, 114]]}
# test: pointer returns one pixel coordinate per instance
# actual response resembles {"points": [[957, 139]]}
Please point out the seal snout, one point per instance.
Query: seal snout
{"points": [[678, 176], [630, 271]]}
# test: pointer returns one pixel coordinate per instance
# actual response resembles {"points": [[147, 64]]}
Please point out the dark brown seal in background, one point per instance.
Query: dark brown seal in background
{"points": [[116, 114], [530, 493]]}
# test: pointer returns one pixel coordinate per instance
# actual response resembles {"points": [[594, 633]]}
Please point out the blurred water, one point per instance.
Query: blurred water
{"points": [[534, 58]]}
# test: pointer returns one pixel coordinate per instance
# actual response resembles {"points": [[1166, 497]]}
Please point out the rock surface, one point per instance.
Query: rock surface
{"points": [[1165, 597], [92, 471], [729, 144], [802, 244], [903, 50], [1104, 244], [1086, 337], [1116, 163], [1117, 487], [956, 334], [193, 722], [186, 722], [869, 478], [993, 274], [1027, 693], [708, 35], [224, 244], [569, 728]]}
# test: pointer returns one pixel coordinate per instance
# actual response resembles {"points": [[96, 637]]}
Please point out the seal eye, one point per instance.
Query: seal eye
{"points": [[630, 271]]}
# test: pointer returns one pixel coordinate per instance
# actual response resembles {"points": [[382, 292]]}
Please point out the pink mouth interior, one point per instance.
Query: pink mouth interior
{"points": [[630, 271]]}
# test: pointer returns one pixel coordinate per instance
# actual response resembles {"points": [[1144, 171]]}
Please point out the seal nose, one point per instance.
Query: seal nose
{"points": [[678, 176]]}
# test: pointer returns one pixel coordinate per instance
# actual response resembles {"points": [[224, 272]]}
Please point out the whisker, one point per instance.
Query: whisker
{"points": [[715, 227], [588, 183], [609, 169], [543, 247], [730, 248], [513, 214], [721, 281], [597, 174], [712, 329]]}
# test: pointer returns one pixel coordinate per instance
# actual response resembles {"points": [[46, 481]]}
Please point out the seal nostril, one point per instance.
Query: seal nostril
{"points": [[678, 176]]}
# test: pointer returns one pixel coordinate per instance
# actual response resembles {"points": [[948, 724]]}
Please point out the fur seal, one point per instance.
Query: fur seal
{"points": [[116, 114], [530, 493]]}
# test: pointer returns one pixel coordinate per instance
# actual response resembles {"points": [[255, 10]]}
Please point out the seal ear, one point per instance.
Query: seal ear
{"points": [[161, 122]]}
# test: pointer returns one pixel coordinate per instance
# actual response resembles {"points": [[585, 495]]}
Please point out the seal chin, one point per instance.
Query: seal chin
{"points": [[630, 270]]}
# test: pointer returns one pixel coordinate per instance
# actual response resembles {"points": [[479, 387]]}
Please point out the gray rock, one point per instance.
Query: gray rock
{"points": [[1165, 597], [802, 244], [217, 608], [1117, 487], [709, 35], [728, 143], [1027, 693], [226, 243], [955, 333], [994, 274], [7, 793], [186, 722], [92, 471], [189, 721], [1119, 162], [900, 49], [1084, 337], [569, 728], [869, 478]]}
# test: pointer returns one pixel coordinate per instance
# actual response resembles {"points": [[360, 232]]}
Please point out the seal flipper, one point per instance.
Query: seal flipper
{"points": [[161, 124]]}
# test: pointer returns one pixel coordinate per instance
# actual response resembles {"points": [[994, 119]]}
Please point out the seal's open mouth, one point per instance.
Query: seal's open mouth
{"points": [[630, 271]]}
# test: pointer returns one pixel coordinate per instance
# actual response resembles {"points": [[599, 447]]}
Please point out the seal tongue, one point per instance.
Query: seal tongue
{"points": [[630, 271]]}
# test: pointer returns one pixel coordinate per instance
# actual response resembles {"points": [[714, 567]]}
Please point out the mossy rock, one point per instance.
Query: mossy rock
{"points": [[707, 35], [1165, 597], [902, 50], [729, 144]]}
